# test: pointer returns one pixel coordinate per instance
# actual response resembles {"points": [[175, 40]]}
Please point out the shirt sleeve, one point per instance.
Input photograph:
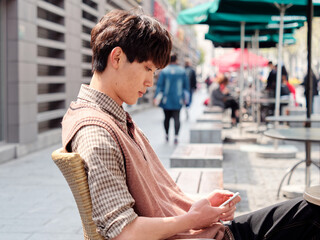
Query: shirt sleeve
{"points": [[186, 82], [112, 203], [160, 83]]}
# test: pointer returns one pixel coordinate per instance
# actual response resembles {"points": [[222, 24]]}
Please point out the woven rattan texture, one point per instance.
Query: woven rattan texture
{"points": [[72, 167]]}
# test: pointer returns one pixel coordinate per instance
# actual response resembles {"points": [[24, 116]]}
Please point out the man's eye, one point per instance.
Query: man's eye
{"points": [[148, 69]]}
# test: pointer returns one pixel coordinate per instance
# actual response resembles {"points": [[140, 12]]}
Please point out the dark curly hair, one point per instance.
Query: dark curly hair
{"points": [[142, 38]]}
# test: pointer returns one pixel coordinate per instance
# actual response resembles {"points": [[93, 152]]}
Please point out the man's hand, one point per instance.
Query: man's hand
{"points": [[203, 214], [217, 197]]}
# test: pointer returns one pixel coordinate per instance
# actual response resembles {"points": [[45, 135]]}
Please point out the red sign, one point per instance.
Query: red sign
{"points": [[159, 13]]}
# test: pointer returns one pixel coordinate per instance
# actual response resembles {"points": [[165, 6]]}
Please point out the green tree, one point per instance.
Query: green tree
{"points": [[202, 56], [184, 4]]}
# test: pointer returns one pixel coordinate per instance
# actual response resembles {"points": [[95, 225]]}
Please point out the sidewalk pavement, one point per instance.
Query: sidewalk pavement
{"points": [[36, 202]]}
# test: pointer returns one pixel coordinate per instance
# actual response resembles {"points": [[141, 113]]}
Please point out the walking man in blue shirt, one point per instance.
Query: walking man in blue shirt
{"points": [[172, 83]]}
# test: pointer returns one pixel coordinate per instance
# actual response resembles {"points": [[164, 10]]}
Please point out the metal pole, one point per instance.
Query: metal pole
{"points": [[279, 68], [309, 82], [282, 9], [241, 75], [308, 163], [257, 80], [258, 88], [253, 85]]}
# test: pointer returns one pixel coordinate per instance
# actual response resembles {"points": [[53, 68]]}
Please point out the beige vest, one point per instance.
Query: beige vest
{"points": [[154, 191]]}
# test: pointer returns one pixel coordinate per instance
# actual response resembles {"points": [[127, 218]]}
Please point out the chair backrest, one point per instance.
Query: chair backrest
{"points": [[72, 167]]}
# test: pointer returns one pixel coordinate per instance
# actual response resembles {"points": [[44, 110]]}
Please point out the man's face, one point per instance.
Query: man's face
{"points": [[133, 81]]}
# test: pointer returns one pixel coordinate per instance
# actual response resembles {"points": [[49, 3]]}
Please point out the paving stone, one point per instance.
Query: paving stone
{"points": [[15, 236], [55, 236]]}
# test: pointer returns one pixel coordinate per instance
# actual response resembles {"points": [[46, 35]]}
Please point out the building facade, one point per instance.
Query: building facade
{"points": [[45, 56]]}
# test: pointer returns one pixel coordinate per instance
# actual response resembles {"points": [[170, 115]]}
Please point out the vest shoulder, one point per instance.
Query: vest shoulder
{"points": [[81, 115]]}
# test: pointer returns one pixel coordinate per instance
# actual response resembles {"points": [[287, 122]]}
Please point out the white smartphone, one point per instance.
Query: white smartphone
{"points": [[230, 199]]}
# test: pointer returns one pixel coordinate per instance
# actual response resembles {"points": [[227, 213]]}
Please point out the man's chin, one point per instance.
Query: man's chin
{"points": [[131, 102]]}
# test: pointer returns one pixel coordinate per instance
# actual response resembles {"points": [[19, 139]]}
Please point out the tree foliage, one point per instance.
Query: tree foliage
{"points": [[184, 4], [202, 56]]}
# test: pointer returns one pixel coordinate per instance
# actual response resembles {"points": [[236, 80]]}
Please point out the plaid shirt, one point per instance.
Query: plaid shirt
{"points": [[111, 201]]}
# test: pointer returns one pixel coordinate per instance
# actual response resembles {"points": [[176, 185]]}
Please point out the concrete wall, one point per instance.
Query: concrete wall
{"points": [[48, 57], [33, 115]]}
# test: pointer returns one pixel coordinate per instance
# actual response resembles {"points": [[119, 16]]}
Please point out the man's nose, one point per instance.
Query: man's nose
{"points": [[149, 81]]}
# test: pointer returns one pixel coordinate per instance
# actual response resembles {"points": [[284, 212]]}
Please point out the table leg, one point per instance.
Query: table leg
{"points": [[289, 172], [308, 162], [258, 116]]}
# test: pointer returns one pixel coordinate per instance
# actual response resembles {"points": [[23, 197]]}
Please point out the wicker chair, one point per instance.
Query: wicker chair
{"points": [[72, 168]]}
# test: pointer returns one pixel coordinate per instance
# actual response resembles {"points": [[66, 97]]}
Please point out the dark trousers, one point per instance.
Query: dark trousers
{"points": [[295, 219], [231, 103], [175, 114]]}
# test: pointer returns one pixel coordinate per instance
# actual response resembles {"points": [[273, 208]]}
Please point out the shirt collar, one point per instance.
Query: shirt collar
{"points": [[103, 101]]}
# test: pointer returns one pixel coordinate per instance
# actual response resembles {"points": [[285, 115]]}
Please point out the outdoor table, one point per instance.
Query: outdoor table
{"points": [[293, 118], [261, 101], [269, 100], [307, 135], [312, 194]]}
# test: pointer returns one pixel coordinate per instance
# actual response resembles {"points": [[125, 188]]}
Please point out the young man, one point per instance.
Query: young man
{"points": [[133, 197], [173, 84]]}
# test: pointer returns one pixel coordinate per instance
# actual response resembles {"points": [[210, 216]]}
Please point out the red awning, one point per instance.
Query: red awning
{"points": [[231, 61]]}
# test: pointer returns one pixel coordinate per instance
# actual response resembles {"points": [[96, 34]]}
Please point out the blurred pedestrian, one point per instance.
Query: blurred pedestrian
{"points": [[272, 79], [208, 82], [221, 97], [172, 85], [314, 87], [191, 74], [284, 89]]}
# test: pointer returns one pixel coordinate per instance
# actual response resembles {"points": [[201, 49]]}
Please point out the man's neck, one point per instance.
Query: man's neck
{"points": [[102, 82], [97, 82]]}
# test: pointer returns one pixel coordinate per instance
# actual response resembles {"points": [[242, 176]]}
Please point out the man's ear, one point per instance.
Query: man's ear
{"points": [[115, 56]]}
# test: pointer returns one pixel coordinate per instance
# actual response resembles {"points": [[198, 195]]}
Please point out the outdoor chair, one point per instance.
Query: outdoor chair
{"points": [[72, 167]]}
